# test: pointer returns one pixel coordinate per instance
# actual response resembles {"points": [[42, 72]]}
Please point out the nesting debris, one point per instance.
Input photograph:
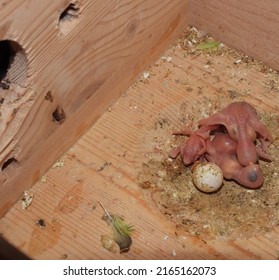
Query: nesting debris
{"points": [[146, 75], [43, 179], [58, 164], [208, 46], [26, 200], [166, 58]]}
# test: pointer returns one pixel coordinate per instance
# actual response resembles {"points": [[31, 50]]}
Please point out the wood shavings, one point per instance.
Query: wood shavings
{"points": [[146, 75], [58, 164], [43, 179], [26, 200], [166, 58], [238, 61]]}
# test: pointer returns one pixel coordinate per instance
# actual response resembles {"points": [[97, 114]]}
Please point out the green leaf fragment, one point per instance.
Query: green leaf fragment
{"points": [[122, 233], [212, 45], [121, 226]]}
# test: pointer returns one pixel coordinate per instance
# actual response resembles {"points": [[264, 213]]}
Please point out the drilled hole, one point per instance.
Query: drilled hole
{"points": [[13, 64], [68, 17], [5, 54], [59, 115], [11, 163]]}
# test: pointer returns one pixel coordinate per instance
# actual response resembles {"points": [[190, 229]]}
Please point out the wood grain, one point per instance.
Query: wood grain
{"points": [[248, 26], [72, 61], [104, 164]]}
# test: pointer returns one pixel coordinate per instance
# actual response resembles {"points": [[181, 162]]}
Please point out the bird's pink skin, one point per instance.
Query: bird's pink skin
{"points": [[191, 150], [194, 146], [243, 125], [222, 151]]}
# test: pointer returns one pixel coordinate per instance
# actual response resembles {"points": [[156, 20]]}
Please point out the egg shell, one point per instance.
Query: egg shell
{"points": [[207, 177]]}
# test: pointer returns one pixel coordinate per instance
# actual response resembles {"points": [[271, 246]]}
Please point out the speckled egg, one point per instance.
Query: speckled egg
{"points": [[207, 177]]}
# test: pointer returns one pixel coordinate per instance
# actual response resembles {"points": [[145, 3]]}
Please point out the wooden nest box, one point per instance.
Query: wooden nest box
{"points": [[79, 123]]}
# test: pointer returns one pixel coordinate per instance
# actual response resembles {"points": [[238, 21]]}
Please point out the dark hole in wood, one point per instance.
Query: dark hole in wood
{"points": [[11, 162], [59, 115], [41, 223], [69, 13], [13, 64], [6, 56]]}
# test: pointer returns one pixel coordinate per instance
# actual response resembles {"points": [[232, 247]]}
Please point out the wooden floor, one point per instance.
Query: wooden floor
{"points": [[103, 166]]}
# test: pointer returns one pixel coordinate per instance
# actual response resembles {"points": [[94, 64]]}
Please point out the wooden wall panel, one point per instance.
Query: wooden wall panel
{"points": [[251, 26], [68, 61]]}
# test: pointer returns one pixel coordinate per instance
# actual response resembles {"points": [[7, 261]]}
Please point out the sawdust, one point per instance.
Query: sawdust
{"points": [[233, 212]]}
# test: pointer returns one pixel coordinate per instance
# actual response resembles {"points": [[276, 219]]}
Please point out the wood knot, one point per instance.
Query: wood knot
{"points": [[132, 27]]}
